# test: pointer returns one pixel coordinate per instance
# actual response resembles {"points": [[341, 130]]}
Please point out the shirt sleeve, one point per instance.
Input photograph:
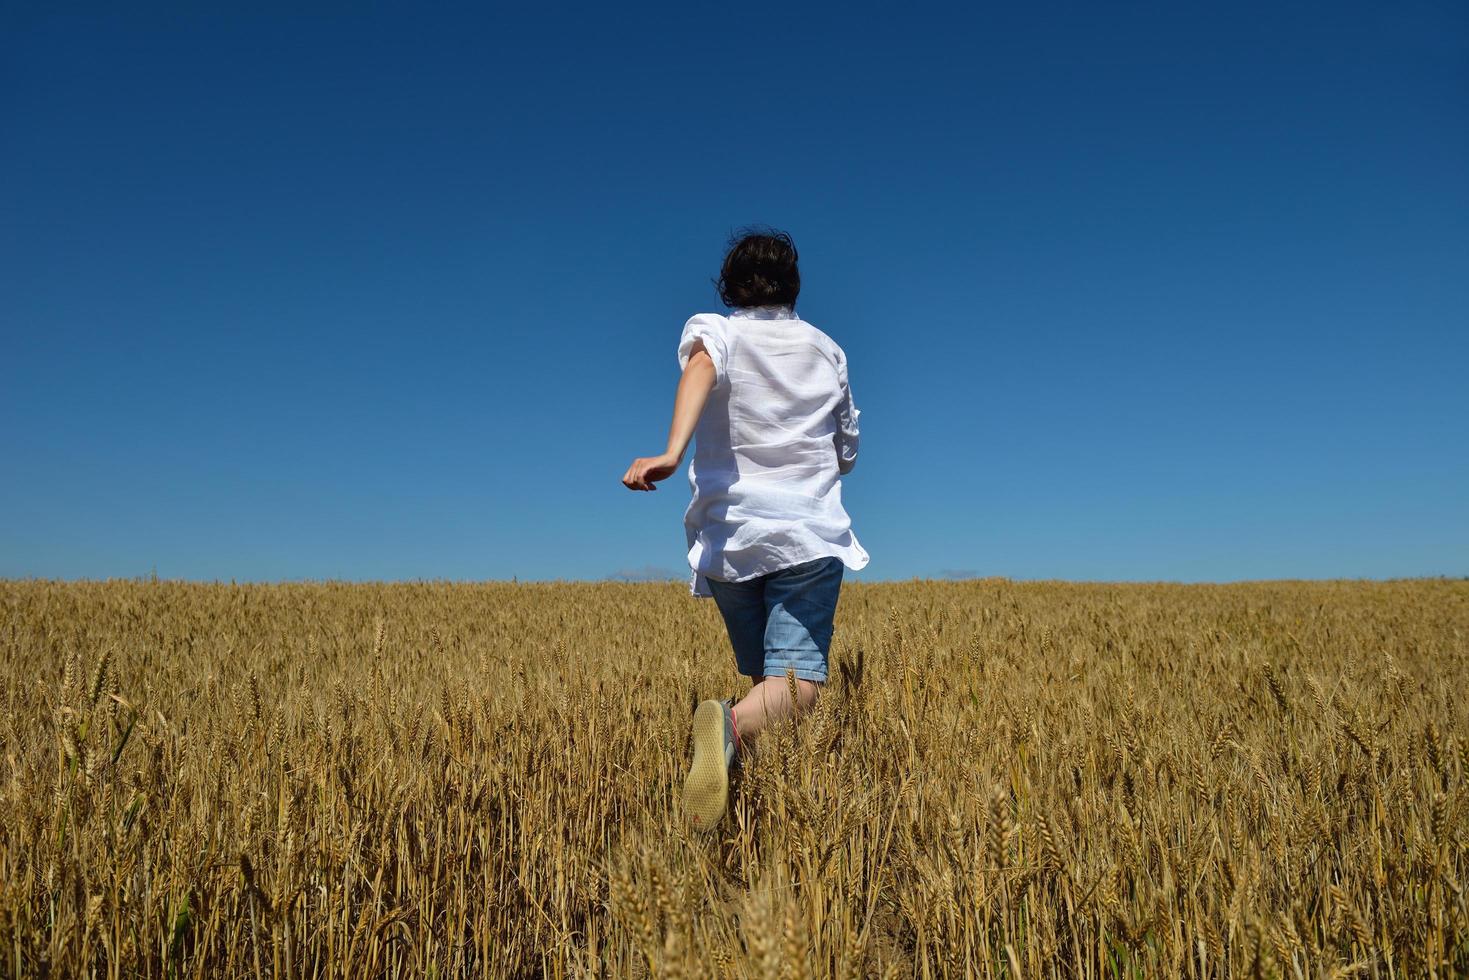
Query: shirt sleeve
{"points": [[846, 417], [711, 328]]}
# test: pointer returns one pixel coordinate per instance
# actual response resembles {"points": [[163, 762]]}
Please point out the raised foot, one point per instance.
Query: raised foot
{"points": [[706, 790]]}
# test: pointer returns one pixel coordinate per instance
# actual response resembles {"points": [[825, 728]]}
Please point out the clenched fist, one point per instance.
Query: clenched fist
{"points": [[648, 470]]}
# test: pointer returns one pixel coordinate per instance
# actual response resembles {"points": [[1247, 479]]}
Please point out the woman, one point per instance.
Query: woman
{"points": [[766, 397]]}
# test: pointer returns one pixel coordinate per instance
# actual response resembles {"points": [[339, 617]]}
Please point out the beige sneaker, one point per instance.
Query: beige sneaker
{"points": [[706, 790]]}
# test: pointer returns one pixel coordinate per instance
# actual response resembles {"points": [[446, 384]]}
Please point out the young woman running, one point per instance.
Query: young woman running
{"points": [[765, 396]]}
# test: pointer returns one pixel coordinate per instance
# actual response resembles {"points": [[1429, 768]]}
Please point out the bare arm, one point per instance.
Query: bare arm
{"points": [[688, 405]]}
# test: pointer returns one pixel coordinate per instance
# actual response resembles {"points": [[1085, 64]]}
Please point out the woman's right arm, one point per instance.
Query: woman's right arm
{"points": [[846, 418]]}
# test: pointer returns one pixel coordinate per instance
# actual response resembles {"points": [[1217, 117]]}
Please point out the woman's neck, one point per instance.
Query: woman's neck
{"points": [[774, 311]]}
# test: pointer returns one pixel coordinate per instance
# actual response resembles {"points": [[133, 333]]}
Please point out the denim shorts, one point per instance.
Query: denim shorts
{"points": [[782, 620]]}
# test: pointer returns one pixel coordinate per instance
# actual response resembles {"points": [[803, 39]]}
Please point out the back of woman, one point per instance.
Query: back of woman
{"points": [[776, 433], [768, 399]]}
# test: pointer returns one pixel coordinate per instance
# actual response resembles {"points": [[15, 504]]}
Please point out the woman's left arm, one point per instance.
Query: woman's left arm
{"points": [[693, 391]]}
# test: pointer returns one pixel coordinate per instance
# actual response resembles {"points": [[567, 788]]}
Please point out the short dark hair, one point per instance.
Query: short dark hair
{"points": [[760, 270]]}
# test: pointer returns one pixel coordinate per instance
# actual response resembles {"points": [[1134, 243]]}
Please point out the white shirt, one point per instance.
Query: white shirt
{"points": [[778, 430]]}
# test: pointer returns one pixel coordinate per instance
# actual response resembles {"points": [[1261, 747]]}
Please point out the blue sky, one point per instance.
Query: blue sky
{"points": [[1154, 291]]}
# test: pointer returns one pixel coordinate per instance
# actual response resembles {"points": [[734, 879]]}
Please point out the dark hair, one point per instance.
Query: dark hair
{"points": [[760, 270]]}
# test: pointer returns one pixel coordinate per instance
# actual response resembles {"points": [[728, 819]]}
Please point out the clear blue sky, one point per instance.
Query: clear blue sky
{"points": [[1143, 291]]}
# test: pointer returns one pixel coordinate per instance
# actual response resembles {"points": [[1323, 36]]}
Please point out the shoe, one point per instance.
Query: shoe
{"points": [[706, 790]]}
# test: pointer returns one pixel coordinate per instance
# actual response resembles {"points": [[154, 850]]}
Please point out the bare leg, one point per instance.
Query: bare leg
{"points": [[770, 701]]}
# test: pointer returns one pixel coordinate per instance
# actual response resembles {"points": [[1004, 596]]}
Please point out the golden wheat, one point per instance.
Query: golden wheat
{"points": [[1002, 779]]}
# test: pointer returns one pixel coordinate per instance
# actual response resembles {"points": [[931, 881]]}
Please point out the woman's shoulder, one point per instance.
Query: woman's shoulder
{"points": [[706, 323], [824, 340]]}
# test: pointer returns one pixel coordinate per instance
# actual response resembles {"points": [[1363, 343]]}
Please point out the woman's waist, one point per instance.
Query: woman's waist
{"points": [[795, 452], [749, 500], [802, 471]]}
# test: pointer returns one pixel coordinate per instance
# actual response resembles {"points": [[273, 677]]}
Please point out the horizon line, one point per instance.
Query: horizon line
{"points": [[614, 579]]}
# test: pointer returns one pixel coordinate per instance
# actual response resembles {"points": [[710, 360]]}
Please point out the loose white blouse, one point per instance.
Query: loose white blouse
{"points": [[778, 431]]}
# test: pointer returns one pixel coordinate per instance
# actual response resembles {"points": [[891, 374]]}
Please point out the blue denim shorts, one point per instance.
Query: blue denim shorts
{"points": [[782, 620]]}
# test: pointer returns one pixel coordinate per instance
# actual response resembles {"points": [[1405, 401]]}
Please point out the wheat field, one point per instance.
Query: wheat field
{"points": [[1002, 779]]}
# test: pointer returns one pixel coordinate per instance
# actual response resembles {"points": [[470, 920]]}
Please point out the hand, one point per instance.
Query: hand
{"points": [[648, 470]]}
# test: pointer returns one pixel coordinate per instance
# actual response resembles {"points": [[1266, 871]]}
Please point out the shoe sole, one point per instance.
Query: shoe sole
{"points": [[706, 790]]}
